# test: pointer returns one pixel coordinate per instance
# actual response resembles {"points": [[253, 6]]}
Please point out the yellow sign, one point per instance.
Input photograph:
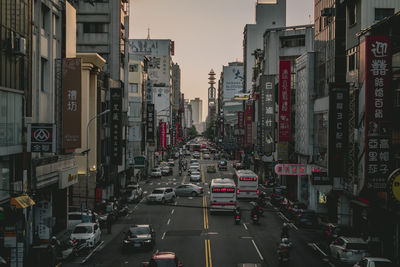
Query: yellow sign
{"points": [[22, 202], [396, 187]]}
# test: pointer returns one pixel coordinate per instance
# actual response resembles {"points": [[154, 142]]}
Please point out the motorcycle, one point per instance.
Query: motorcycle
{"points": [[237, 217], [255, 218], [283, 252], [65, 250], [80, 246]]}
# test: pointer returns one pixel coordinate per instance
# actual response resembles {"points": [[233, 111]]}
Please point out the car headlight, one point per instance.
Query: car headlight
{"points": [[127, 241], [147, 241]]}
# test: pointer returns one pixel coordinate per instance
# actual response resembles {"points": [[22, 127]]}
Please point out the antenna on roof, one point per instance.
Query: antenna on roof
{"points": [[148, 33]]}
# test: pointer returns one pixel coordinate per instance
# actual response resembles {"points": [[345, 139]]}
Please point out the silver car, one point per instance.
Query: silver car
{"points": [[188, 190], [195, 176]]}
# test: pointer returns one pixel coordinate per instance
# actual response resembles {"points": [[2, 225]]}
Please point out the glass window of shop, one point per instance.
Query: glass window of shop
{"points": [[321, 138], [10, 119]]}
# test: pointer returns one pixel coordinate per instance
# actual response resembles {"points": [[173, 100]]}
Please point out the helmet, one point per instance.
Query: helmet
{"points": [[285, 240], [53, 238], [285, 224]]}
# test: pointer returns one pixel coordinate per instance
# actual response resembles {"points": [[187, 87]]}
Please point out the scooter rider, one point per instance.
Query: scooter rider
{"points": [[283, 249], [237, 213], [285, 231]]}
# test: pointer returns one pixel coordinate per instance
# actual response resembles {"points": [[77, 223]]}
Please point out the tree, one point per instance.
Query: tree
{"points": [[193, 132], [210, 129]]}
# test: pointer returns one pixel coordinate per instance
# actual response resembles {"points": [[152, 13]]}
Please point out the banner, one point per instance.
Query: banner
{"points": [[284, 101], [71, 104], [377, 111], [116, 125], [163, 135], [240, 119], [338, 131], [150, 122], [267, 114], [248, 121]]}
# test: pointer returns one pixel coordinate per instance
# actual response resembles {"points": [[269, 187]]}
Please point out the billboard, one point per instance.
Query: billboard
{"points": [[116, 125], [377, 132], [338, 130], [150, 122], [284, 101], [71, 104], [163, 135], [267, 114], [232, 81]]}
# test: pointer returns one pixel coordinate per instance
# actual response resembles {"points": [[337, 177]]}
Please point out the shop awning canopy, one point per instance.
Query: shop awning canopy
{"points": [[22, 202]]}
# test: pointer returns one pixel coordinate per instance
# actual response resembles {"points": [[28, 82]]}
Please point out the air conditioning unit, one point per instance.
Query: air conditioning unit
{"points": [[20, 46], [327, 12]]}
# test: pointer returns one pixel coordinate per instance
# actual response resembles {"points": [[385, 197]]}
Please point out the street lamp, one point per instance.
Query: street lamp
{"points": [[87, 152]]}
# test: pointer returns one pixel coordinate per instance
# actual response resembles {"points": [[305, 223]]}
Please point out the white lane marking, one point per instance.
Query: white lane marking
{"points": [[93, 251], [294, 226], [172, 211], [145, 192], [134, 208], [245, 226], [283, 216], [163, 236], [259, 253], [169, 220]]}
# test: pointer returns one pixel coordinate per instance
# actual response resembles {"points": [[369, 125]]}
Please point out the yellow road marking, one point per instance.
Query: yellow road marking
{"points": [[209, 252], [205, 215], [203, 179], [206, 249]]}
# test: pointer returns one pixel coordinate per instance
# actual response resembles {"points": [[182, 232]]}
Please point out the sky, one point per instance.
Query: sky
{"points": [[207, 33]]}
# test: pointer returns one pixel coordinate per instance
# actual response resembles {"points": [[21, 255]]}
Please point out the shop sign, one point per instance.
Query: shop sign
{"points": [[67, 177], [140, 162], [377, 111], [284, 101], [338, 129], [248, 123], [240, 119], [43, 211], [150, 122], [116, 125], [283, 151], [290, 169], [393, 186], [71, 104], [10, 237], [163, 135], [42, 137], [320, 178]]}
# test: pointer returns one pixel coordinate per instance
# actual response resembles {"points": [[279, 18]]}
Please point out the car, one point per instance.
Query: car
{"points": [[374, 262], [156, 172], [193, 168], [211, 169], [194, 161], [139, 236], [77, 217], [188, 190], [206, 156], [239, 166], [163, 259], [306, 218], [195, 176], [348, 249], [171, 162], [196, 155], [161, 194], [88, 232], [187, 153], [134, 193], [223, 165], [166, 170]]}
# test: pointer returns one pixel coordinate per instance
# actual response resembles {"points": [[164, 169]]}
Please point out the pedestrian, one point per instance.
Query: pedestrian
{"points": [[109, 223]]}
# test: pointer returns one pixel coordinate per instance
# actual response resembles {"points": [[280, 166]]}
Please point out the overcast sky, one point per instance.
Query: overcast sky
{"points": [[207, 33]]}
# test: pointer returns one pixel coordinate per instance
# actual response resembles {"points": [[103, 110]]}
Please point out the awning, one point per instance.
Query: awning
{"points": [[22, 202], [360, 203]]}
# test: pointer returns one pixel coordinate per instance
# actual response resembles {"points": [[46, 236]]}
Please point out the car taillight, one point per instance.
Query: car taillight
{"points": [[258, 191], [237, 217], [298, 215], [237, 191]]}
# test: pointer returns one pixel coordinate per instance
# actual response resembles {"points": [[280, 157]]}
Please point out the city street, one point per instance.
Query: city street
{"points": [[200, 239]]}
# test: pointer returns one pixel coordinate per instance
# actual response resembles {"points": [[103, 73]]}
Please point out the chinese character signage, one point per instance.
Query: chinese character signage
{"points": [[248, 121], [284, 101], [163, 135], [149, 92], [267, 116], [150, 122], [116, 125], [338, 130], [240, 119], [71, 103], [290, 169], [377, 105], [42, 138]]}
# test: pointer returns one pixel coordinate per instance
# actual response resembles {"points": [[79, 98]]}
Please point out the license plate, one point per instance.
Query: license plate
{"points": [[136, 245]]}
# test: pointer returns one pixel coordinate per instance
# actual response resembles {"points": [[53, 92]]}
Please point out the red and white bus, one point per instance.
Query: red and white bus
{"points": [[246, 184], [223, 195]]}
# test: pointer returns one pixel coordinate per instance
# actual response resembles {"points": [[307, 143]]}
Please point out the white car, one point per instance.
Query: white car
{"points": [[206, 156], [156, 172], [370, 262], [162, 195], [195, 176], [90, 232], [77, 217], [193, 168], [348, 249]]}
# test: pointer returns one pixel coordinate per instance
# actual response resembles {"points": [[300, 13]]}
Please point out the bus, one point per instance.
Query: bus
{"points": [[246, 184], [223, 195]]}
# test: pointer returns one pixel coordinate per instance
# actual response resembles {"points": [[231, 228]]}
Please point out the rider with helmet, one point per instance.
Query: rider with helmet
{"points": [[285, 230]]}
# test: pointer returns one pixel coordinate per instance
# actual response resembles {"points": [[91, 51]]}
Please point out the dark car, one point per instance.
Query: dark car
{"points": [[139, 236], [222, 165], [306, 218], [164, 259]]}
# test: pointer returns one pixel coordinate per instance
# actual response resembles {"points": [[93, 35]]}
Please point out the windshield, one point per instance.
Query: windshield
{"points": [[139, 230], [83, 230], [195, 173], [158, 191]]}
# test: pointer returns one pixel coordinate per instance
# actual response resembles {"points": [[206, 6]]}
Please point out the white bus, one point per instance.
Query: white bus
{"points": [[246, 184], [223, 195]]}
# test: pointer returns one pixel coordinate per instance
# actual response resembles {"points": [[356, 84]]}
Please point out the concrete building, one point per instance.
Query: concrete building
{"points": [[197, 110], [267, 16], [188, 115]]}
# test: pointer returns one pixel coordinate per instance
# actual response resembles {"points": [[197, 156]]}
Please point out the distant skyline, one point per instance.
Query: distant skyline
{"points": [[208, 34]]}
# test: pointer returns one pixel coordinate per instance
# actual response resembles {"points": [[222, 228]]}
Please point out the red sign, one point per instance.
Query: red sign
{"points": [[284, 101], [99, 194], [378, 65], [290, 169], [163, 135], [248, 120]]}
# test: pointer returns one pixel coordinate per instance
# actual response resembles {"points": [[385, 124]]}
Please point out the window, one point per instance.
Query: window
{"points": [[95, 27], [43, 74], [293, 41], [45, 19], [134, 109], [381, 13], [133, 68], [133, 88], [352, 14], [352, 62]]}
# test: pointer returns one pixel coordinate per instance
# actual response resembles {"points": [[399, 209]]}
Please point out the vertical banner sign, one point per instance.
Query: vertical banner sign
{"points": [[338, 130], [116, 125], [150, 122], [177, 132], [163, 135], [71, 104], [377, 111], [248, 121], [240, 119], [267, 105], [284, 101]]}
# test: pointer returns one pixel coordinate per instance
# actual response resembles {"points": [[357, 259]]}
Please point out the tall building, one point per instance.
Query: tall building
{"points": [[271, 15], [197, 112], [176, 102]]}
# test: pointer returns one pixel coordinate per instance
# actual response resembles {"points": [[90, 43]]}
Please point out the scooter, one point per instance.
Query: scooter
{"points": [[255, 218], [66, 250], [80, 246], [237, 217]]}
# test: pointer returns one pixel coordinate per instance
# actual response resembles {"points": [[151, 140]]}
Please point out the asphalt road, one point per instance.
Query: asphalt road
{"points": [[200, 239]]}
